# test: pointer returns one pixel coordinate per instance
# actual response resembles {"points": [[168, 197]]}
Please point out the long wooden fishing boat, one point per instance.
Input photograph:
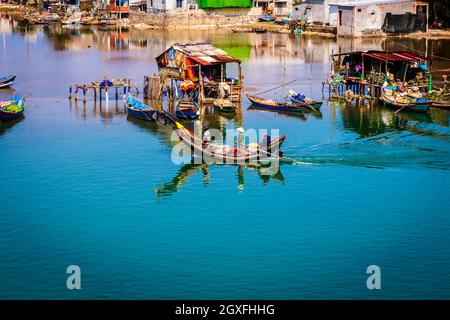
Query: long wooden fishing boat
{"points": [[12, 108], [222, 154], [138, 109], [413, 105], [275, 105], [7, 81], [187, 109], [224, 105], [299, 99]]}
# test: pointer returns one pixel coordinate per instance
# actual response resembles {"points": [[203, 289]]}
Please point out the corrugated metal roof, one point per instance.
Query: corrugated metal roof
{"points": [[204, 53], [395, 56], [382, 55], [367, 3]]}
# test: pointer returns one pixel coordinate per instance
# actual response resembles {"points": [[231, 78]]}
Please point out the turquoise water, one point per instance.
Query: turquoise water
{"points": [[83, 184]]}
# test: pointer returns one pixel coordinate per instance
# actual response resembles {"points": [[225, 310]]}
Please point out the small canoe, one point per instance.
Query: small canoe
{"points": [[297, 98], [223, 154], [138, 109], [187, 110], [224, 105], [12, 108], [414, 105], [7, 81], [274, 105]]}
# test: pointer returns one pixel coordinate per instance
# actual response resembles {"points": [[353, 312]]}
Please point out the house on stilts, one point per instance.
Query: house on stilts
{"points": [[209, 68]]}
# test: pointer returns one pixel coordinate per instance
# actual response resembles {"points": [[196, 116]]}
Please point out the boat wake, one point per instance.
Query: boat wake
{"points": [[383, 151]]}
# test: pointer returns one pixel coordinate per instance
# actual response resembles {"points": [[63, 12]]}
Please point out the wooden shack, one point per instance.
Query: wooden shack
{"points": [[203, 64], [362, 70]]}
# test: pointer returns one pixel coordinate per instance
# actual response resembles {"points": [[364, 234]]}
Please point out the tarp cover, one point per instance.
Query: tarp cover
{"points": [[404, 23], [204, 4]]}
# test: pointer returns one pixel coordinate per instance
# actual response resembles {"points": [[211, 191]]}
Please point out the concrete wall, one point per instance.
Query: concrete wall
{"points": [[194, 19], [367, 20]]}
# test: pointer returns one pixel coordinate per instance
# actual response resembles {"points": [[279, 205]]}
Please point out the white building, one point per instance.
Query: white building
{"points": [[166, 5], [359, 17]]}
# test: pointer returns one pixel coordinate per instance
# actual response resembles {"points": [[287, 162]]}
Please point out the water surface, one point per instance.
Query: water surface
{"points": [[83, 184]]}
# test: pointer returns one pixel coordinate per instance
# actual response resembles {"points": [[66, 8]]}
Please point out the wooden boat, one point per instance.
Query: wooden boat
{"points": [[411, 105], [222, 154], [259, 30], [12, 108], [187, 109], [224, 105], [7, 81], [298, 99], [138, 109], [249, 30], [274, 105]]}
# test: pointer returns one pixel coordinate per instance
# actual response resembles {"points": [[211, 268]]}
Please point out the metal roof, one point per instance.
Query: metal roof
{"points": [[395, 56], [391, 56], [203, 53]]}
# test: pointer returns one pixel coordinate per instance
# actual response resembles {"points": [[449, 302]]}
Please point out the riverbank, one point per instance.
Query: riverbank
{"points": [[194, 19]]}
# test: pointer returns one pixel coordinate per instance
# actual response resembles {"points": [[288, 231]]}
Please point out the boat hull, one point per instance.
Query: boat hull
{"points": [[315, 104], [416, 107], [265, 104], [6, 116], [141, 114], [139, 110], [7, 81], [188, 114]]}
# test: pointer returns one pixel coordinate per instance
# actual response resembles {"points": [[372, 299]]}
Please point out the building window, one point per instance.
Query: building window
{"points": [[359, 10], [179, 3]]}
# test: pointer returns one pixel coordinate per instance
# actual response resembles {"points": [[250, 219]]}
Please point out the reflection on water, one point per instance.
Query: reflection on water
{"points": [[189, 169]]}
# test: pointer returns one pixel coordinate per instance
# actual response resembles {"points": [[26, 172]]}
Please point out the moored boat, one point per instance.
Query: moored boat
{"points": [[12, 108], [139, 110], [224, 105], [405, 103], [7, 81], [275, 105], [187, 109], [298, 98]]}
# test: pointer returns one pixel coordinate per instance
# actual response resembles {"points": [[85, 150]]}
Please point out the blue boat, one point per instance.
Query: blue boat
{"points": [[12, 108], [187, 110], [139, 110], [7, 81]]}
